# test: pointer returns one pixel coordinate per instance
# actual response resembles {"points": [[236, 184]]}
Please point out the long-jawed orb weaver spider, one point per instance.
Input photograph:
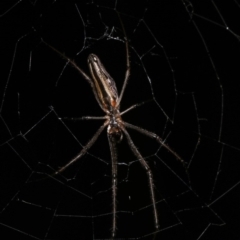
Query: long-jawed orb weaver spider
{"points": [[106, 94]]}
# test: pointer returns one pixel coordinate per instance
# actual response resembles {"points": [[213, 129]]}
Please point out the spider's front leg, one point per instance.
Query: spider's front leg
{"points": [[112, 144], [149, 174]]}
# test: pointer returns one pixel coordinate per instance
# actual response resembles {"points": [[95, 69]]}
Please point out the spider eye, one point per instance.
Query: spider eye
{"points": [[118, 136], [115, 133]]}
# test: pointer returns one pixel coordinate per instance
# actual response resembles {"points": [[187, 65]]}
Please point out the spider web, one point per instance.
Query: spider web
{"points": [[184, 67]]}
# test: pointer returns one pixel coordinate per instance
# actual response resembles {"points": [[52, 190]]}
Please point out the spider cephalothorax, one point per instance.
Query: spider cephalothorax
{"points": [[114, 128]]}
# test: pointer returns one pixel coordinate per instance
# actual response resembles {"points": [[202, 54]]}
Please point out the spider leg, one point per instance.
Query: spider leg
{"points": [[85, 76], [134, 106], [112, 145], [85, 118], [158, 139], [127, 73], [85, 148], [69, 60], [148, 171]]}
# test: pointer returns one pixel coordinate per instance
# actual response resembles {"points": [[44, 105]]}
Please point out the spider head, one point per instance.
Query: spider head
{"points": [[114, 130]]}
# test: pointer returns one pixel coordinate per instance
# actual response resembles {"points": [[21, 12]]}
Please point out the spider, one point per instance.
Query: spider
{"points": [[106, 94]]}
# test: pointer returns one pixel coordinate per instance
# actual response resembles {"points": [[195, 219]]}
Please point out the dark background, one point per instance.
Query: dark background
{"points": [[184, 60]]}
